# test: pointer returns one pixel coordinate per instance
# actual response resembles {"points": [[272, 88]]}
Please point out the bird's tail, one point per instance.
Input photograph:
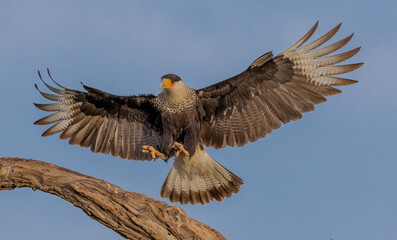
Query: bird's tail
{"points": [[199, 179]]}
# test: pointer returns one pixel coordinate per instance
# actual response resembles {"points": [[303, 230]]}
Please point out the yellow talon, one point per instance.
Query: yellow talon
{"points": [[153, 152], [179, 148]]}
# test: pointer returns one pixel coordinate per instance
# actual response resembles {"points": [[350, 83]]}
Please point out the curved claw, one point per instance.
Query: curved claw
{"points": [[153, 152], [179, 148]]}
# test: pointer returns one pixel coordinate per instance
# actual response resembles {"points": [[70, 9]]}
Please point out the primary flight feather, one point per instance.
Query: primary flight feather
{"points": [[181, 120]]}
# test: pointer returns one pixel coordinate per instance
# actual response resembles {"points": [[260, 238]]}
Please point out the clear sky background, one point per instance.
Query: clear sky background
{"points": [[331, 174]]}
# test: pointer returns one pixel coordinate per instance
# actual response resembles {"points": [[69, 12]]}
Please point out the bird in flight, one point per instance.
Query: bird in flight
{"points": [[181, 120]]}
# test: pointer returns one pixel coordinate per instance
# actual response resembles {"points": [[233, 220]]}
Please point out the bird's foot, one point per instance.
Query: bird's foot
{"points": [[153, 152], [179, 148]]}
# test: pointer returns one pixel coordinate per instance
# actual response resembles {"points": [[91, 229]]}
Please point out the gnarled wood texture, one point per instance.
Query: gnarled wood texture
{"points": [[132, 215]]}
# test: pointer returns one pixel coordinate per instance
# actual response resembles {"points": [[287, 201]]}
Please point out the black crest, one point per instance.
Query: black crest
{"points": [[172, 77]]}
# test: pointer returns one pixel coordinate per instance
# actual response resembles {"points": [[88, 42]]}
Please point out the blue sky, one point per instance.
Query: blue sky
{"points": [[331, 174]]}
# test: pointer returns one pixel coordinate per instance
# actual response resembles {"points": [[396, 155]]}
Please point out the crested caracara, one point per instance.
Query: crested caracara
{"points": [[181, 120]]}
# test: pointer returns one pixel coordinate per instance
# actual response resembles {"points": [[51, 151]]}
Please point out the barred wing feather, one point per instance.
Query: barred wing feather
{"points": [[273, 90], [104, 122]]}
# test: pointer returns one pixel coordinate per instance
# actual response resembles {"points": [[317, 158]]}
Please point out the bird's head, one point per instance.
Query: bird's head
{"points": [[170, 82]]}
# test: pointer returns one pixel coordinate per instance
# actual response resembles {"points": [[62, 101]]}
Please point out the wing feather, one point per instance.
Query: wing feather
{"points": [[102, 121], [304, 38], [333, 59], [318, 42], [274, 90], [329, 49]]}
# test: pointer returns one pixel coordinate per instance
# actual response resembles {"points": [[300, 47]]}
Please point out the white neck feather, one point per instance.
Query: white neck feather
{"points": [[177, 93]]}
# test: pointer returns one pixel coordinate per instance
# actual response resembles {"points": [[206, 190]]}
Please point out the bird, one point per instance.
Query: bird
{"points": [[180, 121]]}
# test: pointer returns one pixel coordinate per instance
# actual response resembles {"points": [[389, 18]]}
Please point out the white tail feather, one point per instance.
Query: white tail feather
{"points": [[199, 179]]}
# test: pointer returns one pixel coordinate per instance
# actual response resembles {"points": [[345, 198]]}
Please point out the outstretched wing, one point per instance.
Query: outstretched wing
{"points": [[272, 90], [105, 122]]}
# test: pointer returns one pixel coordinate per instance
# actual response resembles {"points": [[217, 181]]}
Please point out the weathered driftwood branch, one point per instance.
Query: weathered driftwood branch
{"points": [[132, 215]]}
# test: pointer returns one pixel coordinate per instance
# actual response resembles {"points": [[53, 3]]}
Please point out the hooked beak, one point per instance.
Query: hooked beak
{"points": [[166, 83]]}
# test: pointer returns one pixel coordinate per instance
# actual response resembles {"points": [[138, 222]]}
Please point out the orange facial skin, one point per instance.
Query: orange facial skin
{"points": [[166, 83]]}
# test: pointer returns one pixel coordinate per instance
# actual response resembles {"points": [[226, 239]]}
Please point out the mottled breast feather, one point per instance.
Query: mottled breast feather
{"points": [[168, 104]]}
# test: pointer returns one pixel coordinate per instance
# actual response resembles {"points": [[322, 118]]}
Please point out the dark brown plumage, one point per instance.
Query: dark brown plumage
{"points": [[181, 120]]}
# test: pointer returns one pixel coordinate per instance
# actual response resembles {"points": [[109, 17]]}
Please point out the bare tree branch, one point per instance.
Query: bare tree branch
{"points": [[132, 215]]}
